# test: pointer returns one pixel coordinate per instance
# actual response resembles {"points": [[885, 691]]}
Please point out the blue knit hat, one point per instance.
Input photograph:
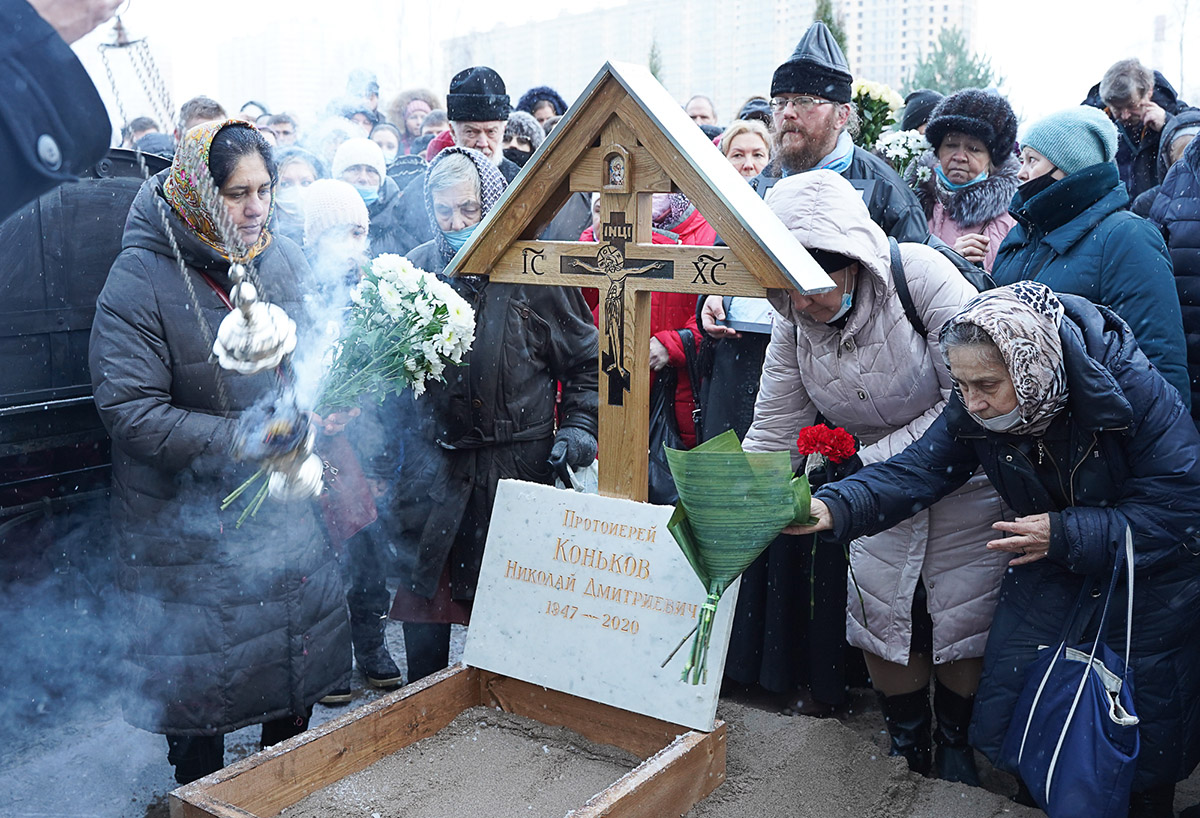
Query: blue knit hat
{"points": [[1073, 139]]}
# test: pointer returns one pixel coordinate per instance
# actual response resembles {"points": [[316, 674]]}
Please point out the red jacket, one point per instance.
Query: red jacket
{"points": [[669, 312]]}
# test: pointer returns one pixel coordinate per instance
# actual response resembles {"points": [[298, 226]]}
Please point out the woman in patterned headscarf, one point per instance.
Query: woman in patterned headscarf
{"points": [[1081, 436], [229, 625]]}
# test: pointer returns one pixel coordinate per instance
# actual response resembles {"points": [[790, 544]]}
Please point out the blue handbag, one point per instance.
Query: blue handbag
{"points": [[1073, 735]]}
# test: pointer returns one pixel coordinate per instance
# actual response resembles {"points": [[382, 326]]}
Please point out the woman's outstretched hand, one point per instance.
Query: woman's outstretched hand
{"points": [[824, 520], [1029, 540]]}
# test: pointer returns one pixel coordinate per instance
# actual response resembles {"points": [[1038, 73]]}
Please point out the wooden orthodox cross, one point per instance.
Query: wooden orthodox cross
{"points": [[626, 139]]}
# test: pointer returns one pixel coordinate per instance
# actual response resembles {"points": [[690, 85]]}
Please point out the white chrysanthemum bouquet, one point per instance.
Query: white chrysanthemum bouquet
{"points": [[901, 148], [877, 105], [404, 327]]}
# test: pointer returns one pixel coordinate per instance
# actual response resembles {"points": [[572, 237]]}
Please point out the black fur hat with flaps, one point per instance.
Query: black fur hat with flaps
{"points": [[816, 67], [984, 115], [477, 94]]}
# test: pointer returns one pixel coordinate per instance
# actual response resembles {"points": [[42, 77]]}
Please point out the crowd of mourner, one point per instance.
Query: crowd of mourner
{"points": [[1006, 437]]}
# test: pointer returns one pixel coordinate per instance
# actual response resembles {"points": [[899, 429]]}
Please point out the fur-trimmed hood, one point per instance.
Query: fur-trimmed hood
{"points": [[975, 205]]}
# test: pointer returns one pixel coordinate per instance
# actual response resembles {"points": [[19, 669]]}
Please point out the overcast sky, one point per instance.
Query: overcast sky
{"points": [[1049, 51]]}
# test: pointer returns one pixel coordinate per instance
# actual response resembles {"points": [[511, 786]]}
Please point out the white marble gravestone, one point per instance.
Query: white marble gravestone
{"points": [[588, 595]]}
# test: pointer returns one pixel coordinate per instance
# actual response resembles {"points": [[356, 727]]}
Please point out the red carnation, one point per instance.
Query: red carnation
{"points": [[835, 444]]}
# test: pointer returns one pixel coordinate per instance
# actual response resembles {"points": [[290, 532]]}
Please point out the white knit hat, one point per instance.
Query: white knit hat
{"points": [[360, 151], [331, 203]]}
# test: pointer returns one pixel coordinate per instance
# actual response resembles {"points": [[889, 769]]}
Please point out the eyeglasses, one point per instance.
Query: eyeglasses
{"points": [[799, 104]]}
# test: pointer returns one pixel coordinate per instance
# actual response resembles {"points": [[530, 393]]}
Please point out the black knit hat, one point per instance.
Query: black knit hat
{"points": [[477, 94], [983, 114], [816, 67], [917, 107]]}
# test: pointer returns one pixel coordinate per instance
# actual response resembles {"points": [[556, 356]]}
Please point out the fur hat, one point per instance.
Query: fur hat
{"points": [[330, 203], [543, 93], [816, 67], [917, 107], [477, 94], [526, 126], [985, 115], [360, 151], [1074, 139]]}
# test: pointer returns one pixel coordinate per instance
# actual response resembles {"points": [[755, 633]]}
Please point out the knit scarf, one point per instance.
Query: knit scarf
{"points": [[1022, 319], [182, 190]]}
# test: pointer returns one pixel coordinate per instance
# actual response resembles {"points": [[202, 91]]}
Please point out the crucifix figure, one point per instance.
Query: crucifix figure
{"points": [[611, 262]]}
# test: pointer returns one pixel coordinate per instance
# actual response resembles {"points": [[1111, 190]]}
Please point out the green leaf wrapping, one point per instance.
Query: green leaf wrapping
{"points": [[732, 505]]}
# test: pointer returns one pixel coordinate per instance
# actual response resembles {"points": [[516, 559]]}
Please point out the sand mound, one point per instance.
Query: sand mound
{"points": [[818, 768]]}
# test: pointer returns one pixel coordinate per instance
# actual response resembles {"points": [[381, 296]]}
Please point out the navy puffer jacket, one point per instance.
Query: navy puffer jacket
{"points": [[1124, 452], [1176, 211]]}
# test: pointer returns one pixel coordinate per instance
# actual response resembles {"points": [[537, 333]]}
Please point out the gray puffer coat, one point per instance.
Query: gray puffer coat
{"points": [[226, 626], [885, 384]]}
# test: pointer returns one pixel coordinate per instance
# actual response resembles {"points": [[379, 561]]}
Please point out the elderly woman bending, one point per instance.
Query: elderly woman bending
{"points": [[928, 585], [1082, 437]]}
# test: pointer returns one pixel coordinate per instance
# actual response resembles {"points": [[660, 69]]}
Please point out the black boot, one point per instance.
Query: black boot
{"points": [[194, 757], [427, 646], [953, 758], [370, 651], [1156, 802], [908, 720]]}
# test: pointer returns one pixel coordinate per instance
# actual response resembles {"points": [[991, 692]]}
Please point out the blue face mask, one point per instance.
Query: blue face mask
{"points": [[847, 303], [946, 183], [457, 238], [370, 195]]}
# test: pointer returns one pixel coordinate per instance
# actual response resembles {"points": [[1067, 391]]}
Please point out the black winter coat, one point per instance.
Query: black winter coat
{"points": [[228, 626], [494, 418], [1123, 452], [52, 123], [1176, 212], [1138, 147]]}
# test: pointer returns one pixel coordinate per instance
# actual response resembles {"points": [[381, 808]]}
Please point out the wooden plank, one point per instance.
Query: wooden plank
{"points": [[648, 175], [279, 776], [624, 438], [699, 270], [641, 735], [681, 766], [543, 179], [667, 784]]}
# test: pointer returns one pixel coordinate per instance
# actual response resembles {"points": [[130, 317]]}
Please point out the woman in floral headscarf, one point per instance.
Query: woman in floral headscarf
{"points": [[1081, 436], [228, 625]]}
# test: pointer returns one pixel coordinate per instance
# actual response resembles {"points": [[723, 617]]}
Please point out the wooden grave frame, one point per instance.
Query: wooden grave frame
{"points": [[680, 767], [626, 138]]}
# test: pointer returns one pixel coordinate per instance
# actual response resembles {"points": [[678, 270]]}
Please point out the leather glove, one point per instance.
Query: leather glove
{"points": [[834, 472], [576, 445]]}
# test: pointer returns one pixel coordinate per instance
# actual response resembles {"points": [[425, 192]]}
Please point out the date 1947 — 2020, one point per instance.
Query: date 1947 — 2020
{"points": [[615, 623]]}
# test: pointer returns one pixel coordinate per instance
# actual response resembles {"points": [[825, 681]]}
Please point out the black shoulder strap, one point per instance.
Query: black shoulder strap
{"points": [[906, 299]]}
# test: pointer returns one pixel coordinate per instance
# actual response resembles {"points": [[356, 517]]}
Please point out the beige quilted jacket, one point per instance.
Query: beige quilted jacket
{"points": [[885, 384]]}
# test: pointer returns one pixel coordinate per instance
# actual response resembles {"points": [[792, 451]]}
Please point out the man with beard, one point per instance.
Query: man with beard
{"points": [[810, 103], [478, 107]]}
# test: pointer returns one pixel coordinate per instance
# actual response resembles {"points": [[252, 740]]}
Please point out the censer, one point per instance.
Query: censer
{"points": [[255, 336]]}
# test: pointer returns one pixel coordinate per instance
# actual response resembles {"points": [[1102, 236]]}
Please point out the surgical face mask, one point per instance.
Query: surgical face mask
{"points": [[1001, 423], [847, 303], [457, 238], [289, 202], [370, 195], [945, 182]]}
